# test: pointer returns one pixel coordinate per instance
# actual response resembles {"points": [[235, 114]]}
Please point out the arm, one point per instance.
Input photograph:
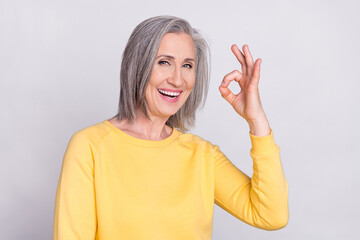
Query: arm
{"points": [[261, 200], [75, 214]]}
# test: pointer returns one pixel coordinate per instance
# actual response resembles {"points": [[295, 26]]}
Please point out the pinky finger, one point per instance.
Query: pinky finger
{"points": [[256, 73]]}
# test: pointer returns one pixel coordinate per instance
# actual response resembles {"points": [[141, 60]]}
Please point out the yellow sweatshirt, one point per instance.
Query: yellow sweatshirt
{"points": [[115, 186]]}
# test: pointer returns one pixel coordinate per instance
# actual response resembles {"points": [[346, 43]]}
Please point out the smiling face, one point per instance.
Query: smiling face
{"points": [[173, 75]]}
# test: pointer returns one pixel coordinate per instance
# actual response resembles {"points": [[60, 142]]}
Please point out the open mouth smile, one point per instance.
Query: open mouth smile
{"points": [[170, 95]]}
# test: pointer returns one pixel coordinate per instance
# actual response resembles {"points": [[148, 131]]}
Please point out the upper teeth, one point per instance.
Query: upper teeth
{"points": [[175, 94]]}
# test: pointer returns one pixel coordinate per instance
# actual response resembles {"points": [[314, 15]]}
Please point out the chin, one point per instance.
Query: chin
{"points": [[165, 109], [168, 114]]}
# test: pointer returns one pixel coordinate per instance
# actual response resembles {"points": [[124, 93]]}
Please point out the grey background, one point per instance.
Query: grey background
{"points": [[59, 73]]}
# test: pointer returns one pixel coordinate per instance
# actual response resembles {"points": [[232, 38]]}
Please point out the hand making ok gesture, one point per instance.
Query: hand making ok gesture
{"points": [[247, 102]]}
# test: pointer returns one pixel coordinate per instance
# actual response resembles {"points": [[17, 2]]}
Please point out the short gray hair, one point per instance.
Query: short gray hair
{"points": [[137, 63]]}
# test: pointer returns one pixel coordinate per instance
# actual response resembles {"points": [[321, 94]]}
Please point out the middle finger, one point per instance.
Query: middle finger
{"points": [[240, 57]]}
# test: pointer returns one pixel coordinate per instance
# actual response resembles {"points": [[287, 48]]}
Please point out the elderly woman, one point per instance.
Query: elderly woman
{"points": [[139, 175]]}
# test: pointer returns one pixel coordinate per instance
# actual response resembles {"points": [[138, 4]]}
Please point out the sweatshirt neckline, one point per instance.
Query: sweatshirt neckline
{"points": [[143, 142]]}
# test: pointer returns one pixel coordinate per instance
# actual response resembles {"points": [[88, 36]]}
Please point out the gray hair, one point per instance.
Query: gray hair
{"points": [[137, 63]]}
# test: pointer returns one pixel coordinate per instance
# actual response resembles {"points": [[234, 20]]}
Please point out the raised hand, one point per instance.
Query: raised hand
{"points": [[247, 102]]}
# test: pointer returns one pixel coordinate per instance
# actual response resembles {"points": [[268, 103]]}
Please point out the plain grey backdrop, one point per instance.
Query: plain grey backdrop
{"points": [[60, 63]]}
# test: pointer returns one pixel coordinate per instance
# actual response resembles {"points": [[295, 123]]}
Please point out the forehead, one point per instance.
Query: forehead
{"points": [[179, 45]]}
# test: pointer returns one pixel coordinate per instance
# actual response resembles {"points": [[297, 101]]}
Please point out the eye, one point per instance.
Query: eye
{"points": [[187, 65], [163, 62]]}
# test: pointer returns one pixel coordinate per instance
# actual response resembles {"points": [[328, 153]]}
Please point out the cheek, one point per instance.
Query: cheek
{"points": [[191, 81], [148, 95]]}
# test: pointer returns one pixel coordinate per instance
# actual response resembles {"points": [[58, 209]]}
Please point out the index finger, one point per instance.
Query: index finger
{"points": [[240, 57]]}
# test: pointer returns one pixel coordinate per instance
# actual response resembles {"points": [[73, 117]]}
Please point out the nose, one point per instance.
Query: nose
{"points": [[175, 77]]}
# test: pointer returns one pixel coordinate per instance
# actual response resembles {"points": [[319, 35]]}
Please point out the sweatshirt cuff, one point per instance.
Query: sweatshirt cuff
{"points": [[263, 145]]}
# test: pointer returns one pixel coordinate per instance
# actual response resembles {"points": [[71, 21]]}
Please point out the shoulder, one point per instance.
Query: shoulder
{"points": [[91, 135], [195, 140]]}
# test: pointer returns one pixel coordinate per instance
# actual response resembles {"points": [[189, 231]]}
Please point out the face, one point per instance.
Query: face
{"points": [[173, 75]]}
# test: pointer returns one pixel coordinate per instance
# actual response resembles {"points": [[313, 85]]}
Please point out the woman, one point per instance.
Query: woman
{"points": [[138, 175]]}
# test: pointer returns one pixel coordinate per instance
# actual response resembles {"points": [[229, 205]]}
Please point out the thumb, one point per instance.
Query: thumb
{"points": [[226, 94]]}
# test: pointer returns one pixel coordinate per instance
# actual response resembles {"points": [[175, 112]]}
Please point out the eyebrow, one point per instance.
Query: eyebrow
{"points": [[171, 57]]}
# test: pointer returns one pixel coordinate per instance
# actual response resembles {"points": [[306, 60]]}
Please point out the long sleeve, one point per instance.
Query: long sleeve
{"points": [[75, 213], [115, 186], [261, 201]]}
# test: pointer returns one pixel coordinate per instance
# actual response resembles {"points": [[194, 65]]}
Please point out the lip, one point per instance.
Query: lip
{"points": [[170, 90], [172, 100]]}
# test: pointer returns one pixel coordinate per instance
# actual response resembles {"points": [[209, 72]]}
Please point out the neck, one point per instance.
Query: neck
{"points": [[153, 129]]}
